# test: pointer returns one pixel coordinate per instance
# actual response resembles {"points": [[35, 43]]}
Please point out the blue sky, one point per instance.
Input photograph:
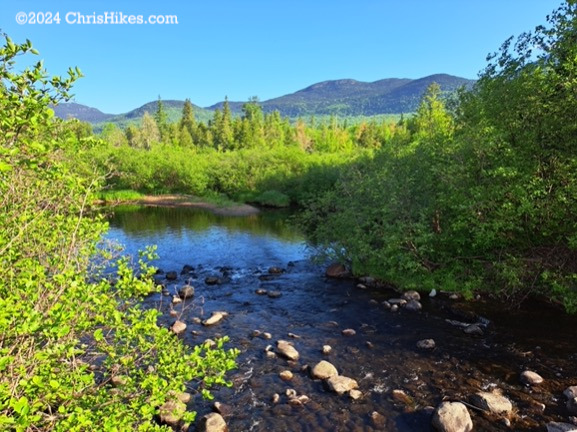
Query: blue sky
{"points": [[264, 48]]}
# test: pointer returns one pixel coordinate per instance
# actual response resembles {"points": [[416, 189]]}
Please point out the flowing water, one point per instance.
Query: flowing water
{"points": [[304, 307]]}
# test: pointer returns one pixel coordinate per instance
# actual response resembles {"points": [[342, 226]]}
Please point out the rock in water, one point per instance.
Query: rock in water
{"points": [[186, 292], [492, 402], [570, 392], [378, 420], [426, 344], [531, 378], [414, 306], [178, 327], [171, 412], [452, 417], [215, 318], [341, 384], [286, 349], [336, 271], [561, 427], [212, 422], [324, 370], [171, 275], [411, 295]]}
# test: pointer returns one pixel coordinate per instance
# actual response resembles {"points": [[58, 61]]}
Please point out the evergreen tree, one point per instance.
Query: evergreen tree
{"points": [[161, 119]]}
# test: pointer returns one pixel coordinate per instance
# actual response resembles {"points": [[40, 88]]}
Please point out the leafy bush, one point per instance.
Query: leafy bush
{"points": [[67, 333]]}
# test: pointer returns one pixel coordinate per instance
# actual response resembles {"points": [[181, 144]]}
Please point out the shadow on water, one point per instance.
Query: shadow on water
{"points": [[300, 305]]}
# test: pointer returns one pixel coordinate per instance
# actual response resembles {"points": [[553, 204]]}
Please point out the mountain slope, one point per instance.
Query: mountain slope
{"points": [[345, 97]]}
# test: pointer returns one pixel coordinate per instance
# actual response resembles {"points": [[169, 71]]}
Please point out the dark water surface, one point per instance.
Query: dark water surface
{"points": [[381, 356]]}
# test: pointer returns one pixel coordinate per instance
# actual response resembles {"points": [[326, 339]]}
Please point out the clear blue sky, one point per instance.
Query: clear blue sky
{"points": [[265, 48]]}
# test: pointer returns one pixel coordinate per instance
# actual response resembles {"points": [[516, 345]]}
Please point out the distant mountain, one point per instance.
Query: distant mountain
{"points": [[80, 112], [345, 97]]}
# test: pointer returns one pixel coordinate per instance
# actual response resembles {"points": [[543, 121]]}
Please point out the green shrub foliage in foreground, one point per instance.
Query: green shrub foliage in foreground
{"points": [[65, 332]]}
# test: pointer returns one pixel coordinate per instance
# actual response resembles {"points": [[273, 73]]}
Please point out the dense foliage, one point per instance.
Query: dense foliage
{"points": [[66, 332], [482, 199]]}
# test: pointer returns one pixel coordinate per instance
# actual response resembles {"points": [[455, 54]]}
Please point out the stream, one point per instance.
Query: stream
{"points": [[271, 292]]}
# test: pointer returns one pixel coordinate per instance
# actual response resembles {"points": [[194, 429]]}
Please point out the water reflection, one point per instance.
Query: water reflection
{"points": [[197, 236]]}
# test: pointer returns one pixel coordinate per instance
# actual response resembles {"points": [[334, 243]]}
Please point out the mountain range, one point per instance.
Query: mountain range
{"points": [[345, 97]]}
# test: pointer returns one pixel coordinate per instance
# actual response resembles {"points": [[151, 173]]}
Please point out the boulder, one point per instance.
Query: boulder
{"points": [[286, 375], [492, 402], [413, 306], [349, 332], [341, 384], [212, 422], [452, 417], [324, 370], [287, 350], [531, 378], [327, 349], [171, 412], [336, 271]]}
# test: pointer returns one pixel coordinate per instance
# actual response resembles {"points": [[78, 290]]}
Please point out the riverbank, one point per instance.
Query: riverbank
{"points": [[224, 208]]}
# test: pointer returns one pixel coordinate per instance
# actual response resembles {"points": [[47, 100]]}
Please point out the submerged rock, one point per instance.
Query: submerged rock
{"points": [[377, 420], [531, 378], [287, 350], [286, 375], [324, 370], [492, 402], [349, 332], [452, 417], [215, 318], [326, 350], [186, 292], [336, 271], [561, 427], [212, 422], [171, 275], [414, 306], [474, 329], [426, 344], [341, 384], [212, 280], [570, 392]]}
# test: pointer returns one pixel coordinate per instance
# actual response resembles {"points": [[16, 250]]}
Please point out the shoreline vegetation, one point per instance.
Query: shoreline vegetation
{"points": [[218, 206]]}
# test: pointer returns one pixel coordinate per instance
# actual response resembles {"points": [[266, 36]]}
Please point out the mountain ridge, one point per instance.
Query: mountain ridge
{"points": [[344, 97]]}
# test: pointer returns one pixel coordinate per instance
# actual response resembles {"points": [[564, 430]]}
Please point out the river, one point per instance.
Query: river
{"points": [[302, 306]]}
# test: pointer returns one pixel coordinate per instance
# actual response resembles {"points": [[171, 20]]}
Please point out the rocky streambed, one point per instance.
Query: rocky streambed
{"points": [[320, 354], [401, 364]]}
